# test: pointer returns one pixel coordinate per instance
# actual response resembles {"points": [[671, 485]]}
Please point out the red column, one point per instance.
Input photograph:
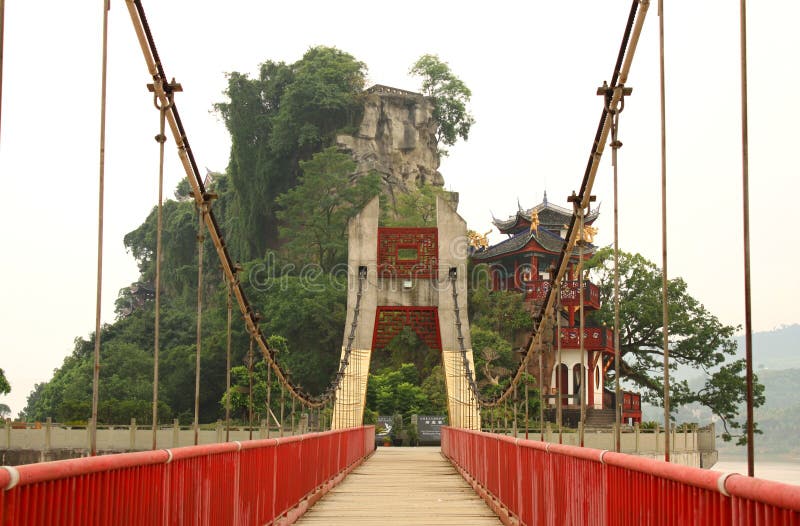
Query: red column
{"points": [[590, 374]]}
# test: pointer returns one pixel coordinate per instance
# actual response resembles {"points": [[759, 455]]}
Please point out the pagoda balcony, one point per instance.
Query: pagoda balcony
{"points": [[570, 293], [594, 338], [631, 405]]}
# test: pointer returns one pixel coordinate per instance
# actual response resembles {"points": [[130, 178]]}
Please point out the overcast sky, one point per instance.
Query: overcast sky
{"points": [[533, 68]]}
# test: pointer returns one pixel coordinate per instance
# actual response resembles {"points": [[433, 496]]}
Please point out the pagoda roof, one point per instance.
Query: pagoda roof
{"points": [[551, 217], [547, 240]]}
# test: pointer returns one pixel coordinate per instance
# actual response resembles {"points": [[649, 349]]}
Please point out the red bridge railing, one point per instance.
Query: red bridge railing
{"points": [[529, 482], [233, 483]]}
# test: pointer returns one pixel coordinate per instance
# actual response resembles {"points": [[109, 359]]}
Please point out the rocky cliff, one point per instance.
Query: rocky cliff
{"points": [[396, 139]]}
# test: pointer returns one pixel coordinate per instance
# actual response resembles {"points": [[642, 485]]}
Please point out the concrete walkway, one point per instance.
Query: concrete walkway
{"points": [[402, 485]]}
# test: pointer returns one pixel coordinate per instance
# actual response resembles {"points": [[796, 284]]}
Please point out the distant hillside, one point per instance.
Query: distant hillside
{"points": [[776, 349], [778, 418]]}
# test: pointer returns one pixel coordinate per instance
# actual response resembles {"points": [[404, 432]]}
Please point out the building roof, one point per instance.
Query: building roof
{"points": [[546, 239], [388, 90], [551, 217]]}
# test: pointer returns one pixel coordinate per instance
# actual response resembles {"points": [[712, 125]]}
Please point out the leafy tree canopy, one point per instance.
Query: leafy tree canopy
{"points": [[450, 98], [284, 116], [314, 214], [5, 387], [415, 209], [696, 338]]}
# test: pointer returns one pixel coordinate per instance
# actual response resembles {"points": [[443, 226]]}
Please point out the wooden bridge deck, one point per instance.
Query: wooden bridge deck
{"points": [[402, 486]]}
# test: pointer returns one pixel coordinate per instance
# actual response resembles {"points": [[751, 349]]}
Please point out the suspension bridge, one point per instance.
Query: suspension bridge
{"points": [[335, 475]]}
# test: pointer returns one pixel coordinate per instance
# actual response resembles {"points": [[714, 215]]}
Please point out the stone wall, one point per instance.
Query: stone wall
{"points": [[689, 448], [56, 442]]}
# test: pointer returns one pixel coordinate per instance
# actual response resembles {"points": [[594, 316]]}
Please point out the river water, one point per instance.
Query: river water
{"points": [[787, 471]]}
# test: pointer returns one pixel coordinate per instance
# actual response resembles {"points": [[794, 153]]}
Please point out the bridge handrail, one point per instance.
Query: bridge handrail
{"points": [[250, 482], [540, 483]]}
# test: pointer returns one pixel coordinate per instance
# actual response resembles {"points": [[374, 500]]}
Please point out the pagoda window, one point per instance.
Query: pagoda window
{"points": [[407, 254]]}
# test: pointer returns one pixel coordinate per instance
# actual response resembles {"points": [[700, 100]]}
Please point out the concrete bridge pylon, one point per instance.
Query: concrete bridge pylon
{"points": [[415, 277]]}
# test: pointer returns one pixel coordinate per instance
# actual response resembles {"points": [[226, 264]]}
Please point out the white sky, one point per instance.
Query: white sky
{"points": [[533, 70]]}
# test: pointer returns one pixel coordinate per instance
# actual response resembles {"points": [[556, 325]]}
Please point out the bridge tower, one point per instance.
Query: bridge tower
{"points": [[414, 277]]}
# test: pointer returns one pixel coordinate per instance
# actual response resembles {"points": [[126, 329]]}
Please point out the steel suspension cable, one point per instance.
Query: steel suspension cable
{"points": [[156, 70], [619, 76], [664, 280], [629, 42], [748, 321], [200, 238], [101, 191]]}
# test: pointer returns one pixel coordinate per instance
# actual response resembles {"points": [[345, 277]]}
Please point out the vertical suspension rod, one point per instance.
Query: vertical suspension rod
{"points": [[2, 28], [201, 211], [748, 322], [101, 190], [161, 139], [559, 383], [269, 399], [250, 389], [615, 145], [228, 370], [664, 278], [583, 375], [541, 399]]}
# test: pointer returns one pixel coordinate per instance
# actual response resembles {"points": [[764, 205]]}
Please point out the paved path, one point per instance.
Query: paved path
{"points": [[402, 485]]}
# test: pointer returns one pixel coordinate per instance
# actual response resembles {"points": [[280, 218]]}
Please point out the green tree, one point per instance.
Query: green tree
{"points": [[494, 360], [315, 213], [435, 391], [502, 312], [450, 98], [697, 338], [5, 387], [417, 209], [397, 392], [308, 310], [284, 116]]}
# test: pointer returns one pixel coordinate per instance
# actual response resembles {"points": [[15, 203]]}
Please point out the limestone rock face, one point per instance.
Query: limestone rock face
{"points": [[396, 139]]}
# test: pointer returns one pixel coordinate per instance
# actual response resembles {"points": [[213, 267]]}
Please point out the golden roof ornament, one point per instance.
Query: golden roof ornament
{"points": [[588, 233], [478, 241], [534, 221]]}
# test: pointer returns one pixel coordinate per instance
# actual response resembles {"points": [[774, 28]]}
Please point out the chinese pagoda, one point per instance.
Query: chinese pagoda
{"points": [[522, 263]]}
